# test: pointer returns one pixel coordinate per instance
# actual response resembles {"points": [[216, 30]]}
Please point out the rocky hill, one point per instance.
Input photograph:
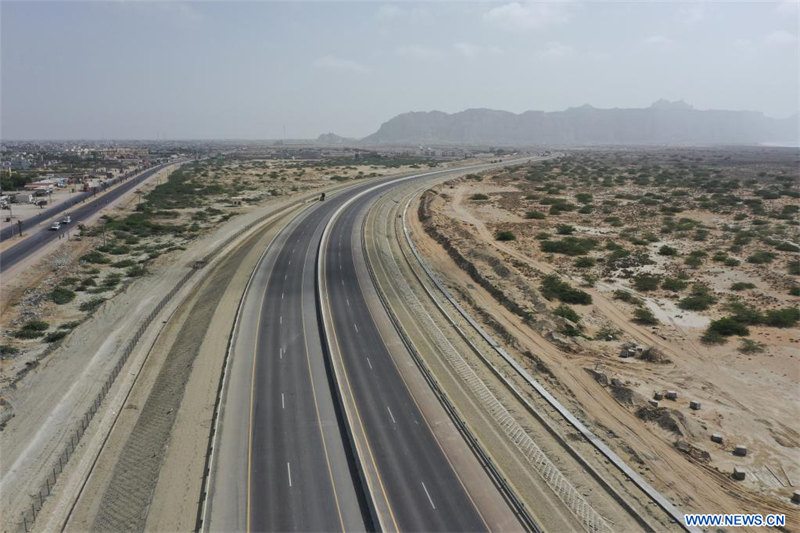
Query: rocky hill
{"points": [[662, 123]]}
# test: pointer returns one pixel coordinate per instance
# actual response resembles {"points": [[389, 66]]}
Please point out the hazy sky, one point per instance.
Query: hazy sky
{"points": [[130, 69]]}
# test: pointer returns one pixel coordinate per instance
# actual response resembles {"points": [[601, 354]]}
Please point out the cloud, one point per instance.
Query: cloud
{"points": [[469, 50], [788, 6], [692, 13], [529, 15], [388, 12], [780, 38], [555, 50], [337, 63], [419, 52], [659, 41]]}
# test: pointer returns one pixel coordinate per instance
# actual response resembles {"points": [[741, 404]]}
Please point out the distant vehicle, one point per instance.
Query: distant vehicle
{"points": [[322, 197], [23, 198], [41, 203], [55, 226], [66, 220]]}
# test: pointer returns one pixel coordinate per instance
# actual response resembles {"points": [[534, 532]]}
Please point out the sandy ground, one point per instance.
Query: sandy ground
{"points": [[745, 399]]}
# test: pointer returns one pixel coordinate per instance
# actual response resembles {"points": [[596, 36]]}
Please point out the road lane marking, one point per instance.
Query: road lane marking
{"points": [[428, 494], [370, 364], [281, 295], [289, 471], [283, 403], [355, 326], [285, 276], [391, 415], [280, 320]]}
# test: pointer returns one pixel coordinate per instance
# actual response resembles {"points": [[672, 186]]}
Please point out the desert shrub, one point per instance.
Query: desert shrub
{"points": [[583, 197], [91, 305], [606, 333], [693, 261], [782, 318], [713, 337], [95, 257], [568, 246], [646, 282], [6, 349], [478, 196], [505, 236], [742, 286], [719, 257], [793, 268], [614, 221], [749, 346], [585, 262], [731, 262], [674, 284], [644, 316], [565, 229], [761, 257], [61, 296], [565, 311], [53, 336], [31, 329], [728, 326], [627, 297], [784, 246], [69, 325], [743, 313], [535, 215], [794, 290], [125, 263], [700, 299], [667, 250], [552, 287], [586, 209], [135, 271]]}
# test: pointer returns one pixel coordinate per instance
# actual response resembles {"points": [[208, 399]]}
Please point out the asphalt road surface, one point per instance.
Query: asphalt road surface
{"points": [[282, 462], [42, 236]]}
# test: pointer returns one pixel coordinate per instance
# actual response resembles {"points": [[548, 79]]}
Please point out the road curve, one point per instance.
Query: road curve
{"points": [[282, 461]]}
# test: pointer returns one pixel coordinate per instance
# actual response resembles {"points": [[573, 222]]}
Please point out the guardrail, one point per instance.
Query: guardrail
{"points": [[609, 454]]}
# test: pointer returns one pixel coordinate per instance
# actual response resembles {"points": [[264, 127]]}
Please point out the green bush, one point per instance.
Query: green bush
{"points": [[478, 196], [568, 246], [6, 349], [565, 229], [505, 236], [53, 336], [564, 311], [674, 284], [552, 287], [700, 299], [628, 297], [585, 262], [761, 257], [31, 330], [782, 318], [749, 346], [728, 326], [731, 262], [70, 325], [793, 268], [744, 314], [125, 263], [535, 215], [91, 305], [693, 261], [61, 296], [667, 250], [136, 271], [95, 257], [644, 316], [742, 286], [646, 282]]}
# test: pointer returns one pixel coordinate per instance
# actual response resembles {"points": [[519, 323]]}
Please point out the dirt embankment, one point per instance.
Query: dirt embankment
{"points": [[743, 399]]}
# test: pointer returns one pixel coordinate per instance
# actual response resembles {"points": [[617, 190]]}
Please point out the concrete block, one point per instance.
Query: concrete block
{"points": [[740, 450], [654, 403], [671, 395], [738, 474], [658, 395], [694, 405], [796, 496], [716, 437]]}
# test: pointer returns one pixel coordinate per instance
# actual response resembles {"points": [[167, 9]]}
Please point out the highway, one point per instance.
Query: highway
{"points": [[282, 460], [42, 236]]}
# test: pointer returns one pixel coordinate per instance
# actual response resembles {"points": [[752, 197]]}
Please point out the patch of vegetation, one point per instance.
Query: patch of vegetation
{"points": [[535, 215], [667, 251], [478, 197], [674, 284], [95, 256], [54, 336], [644, 316], [69, 325], [585, 262], [761, 257], [627, 297], [749, 346], [782, 318], [61, 296], [793, 268], [552, 287], [91, 305], [136, 271], [727, 327], [700, 299], [31, 329], [565, 229], [505, 236], [7, 349], [569, 246], [646, 282], [565, 311], [742, 286]]}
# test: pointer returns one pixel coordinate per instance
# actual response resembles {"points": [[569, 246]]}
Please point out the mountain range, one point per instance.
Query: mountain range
{"points": [[663, 122]]}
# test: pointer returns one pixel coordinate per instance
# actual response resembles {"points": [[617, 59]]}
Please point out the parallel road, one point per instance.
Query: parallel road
{"points": [[42, 236], [281, 460]]}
